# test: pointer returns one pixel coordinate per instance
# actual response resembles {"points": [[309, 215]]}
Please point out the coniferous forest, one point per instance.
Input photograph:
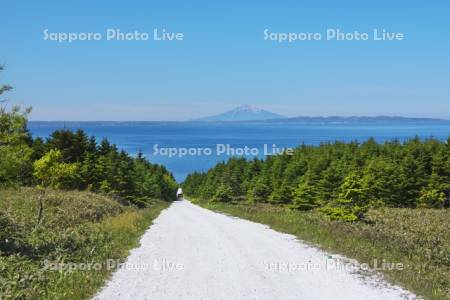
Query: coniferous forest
{"points": [[342, 180], [73, 161]]}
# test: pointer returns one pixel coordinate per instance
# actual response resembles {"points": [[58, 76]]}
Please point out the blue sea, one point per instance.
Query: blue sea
{"points": [[209, 143]]}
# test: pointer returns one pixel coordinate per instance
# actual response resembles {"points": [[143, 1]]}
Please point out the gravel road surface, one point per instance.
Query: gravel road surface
{"points": [[193, 253]]}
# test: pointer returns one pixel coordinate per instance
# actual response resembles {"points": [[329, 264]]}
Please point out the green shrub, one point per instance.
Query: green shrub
{"points": [[223, 194], [432, 198], [52, 172]]}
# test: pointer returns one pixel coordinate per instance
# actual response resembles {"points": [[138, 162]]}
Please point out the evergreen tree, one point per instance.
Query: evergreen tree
{"points": [[281, 195], [223, 194], [305, 197], [351, 202], [381, 183], [15, 151], [259, 191]]}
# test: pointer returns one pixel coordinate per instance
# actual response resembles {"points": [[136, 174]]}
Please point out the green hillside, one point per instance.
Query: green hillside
{"points": [[75, 229]]}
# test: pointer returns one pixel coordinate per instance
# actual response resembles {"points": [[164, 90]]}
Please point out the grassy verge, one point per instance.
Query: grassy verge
{"points": [[65, 255], [419, 239]]}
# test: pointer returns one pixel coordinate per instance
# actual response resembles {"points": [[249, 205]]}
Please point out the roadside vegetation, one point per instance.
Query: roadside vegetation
{"points": [[70, 250], [69, 201], [365, 200]]}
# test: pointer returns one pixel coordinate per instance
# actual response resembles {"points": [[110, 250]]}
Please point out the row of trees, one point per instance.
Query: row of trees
{"points": [[340, 179], [72, 160]]}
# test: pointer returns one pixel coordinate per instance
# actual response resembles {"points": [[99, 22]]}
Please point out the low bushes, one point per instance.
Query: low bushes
{"points": [[76, 229]]}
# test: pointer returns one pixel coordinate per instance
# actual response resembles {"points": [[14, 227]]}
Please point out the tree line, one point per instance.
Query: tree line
{"points": [[73, 160], [340, 179]]}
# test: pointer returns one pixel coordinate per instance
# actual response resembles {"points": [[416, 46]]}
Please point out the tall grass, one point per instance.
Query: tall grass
{"points": [[74, 227], [419, 239]]}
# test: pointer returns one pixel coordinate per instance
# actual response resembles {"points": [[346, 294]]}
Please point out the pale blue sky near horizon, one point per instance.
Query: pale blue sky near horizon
{"points": [[224, 60]]}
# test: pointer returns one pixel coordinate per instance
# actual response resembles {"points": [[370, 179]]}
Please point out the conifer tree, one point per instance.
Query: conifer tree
{"points": [[305, 197]]}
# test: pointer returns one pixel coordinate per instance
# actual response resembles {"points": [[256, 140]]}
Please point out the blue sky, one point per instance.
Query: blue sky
{"points": [[224, 60]]}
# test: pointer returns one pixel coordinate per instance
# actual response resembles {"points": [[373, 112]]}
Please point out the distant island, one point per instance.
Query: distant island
{"points": [[379, 120], [248, 113], [242, 113]]}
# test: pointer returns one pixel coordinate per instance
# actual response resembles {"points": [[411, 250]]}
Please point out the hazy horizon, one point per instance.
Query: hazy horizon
{"points": [[194, 120], [236, 107]]}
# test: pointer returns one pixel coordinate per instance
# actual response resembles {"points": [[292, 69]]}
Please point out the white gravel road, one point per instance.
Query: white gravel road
{"points": [[193, 253]]}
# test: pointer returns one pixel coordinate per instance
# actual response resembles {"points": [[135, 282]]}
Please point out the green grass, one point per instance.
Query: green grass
{"points": [[75, 227], [417, 238]]}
